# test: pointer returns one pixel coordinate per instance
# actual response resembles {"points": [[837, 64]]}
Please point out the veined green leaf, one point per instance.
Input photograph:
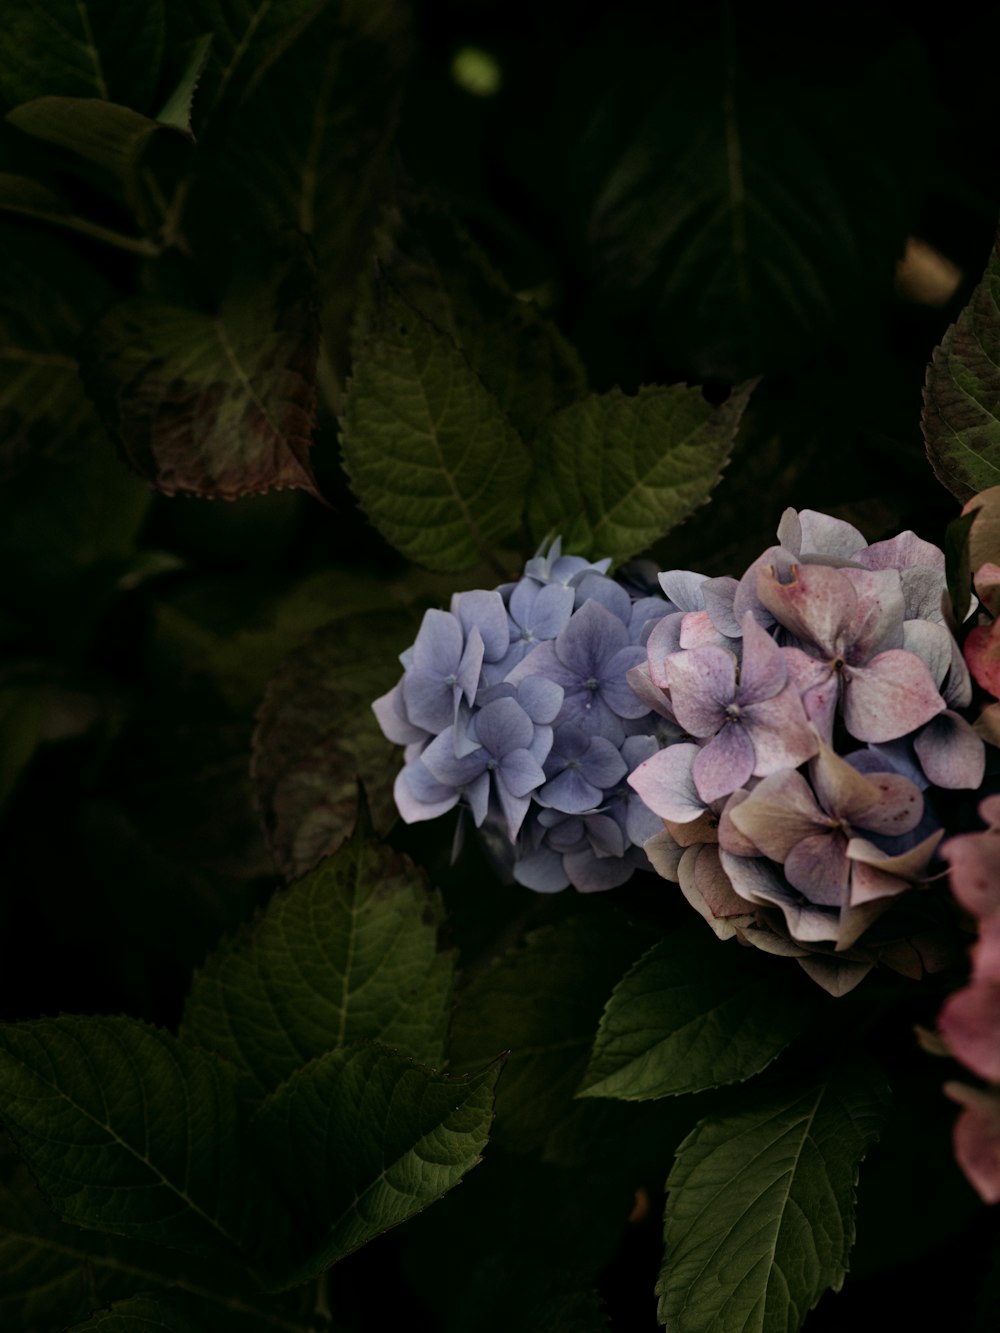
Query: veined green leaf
{"points": [[221, 405], [361, 1139], [961, 417], [347, 953], [128, 1130], [147, 1314], [113, 137], [760, 1204], [690, 1016], [434, 462], [615, 473]]}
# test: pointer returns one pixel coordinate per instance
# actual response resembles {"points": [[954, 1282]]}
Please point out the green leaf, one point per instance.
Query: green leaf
{"points": [[615, 473], [176, 110], [961, 417], [128, 1130], [317, 734], [146, 1314], [347, 953], [248, 36], [542, 1002], [958, 563], [517, 352], [432, 459], [362, 1139], [217, 406], [113, 137], [760, 1205], [689, 1016], [81, 48]]}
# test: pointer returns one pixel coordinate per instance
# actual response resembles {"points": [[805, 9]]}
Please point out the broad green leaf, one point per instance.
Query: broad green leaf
{"points": [[147, 1314], [760, 1204], [128, 1130], [55, 1274], [690, 1016], [517, 352], [542, 1002], [317, 734], [961, 417], [309, 148], [615, 472], [214, 405], [434, 462], [248, 36], [176, 110], [113, 137], [348, 953], [81, 48], [361, 1139]]}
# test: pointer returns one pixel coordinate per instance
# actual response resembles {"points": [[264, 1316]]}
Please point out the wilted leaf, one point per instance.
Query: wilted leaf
{"points": [[128, 1130], [689, 1016], [615, 473], [434, 462], [962, 394], [348, 953], [361, 1139], [760, 1205], [109, 49], [221, 405], [316, 735]]}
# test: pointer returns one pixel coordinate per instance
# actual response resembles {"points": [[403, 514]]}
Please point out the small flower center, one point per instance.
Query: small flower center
{"points": [[593, 684], [733, 712], [451, 680]]}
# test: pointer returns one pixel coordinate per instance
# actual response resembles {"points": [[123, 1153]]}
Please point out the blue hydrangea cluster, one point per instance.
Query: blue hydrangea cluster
{"points": [[515, 705]]}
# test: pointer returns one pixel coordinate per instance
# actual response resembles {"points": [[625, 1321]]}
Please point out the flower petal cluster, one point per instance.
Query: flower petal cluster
{"points": [[515, 705], [818, 696], [970, 1019]]}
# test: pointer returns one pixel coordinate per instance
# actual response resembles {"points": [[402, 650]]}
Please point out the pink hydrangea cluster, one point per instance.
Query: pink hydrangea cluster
{"points": [[970, 1019], [819, 696]]}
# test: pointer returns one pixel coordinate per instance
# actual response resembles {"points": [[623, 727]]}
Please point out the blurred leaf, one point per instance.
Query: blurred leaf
{"points": [[316, 735], [743, 215], [146, 1314], [688, 1017], [248, 36], [958, 564], [517, 352], [109, 49], [347, 953], [361, 1139], [217, 406], [542, 1002], [128, 1130], [760, 1204], [615, 473], [962, 394], [21, 194], [310, 147], [55, 1273], [113, 137], [432, 459], [22, 727]]}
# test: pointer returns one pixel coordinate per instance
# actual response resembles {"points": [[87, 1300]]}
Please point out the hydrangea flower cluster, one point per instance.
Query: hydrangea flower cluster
{"points": [[970, 1019], [818, 696], [515, 705]]}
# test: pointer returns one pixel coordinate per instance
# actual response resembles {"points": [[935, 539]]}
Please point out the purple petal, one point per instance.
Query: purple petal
{"points": [[604, 835], [486, 612], [932, 644], [724, 764], [763, 668], [683, 587], [816, 603], [781, 734], [950, 752], [541, 661], [514, 809], [819, 534], [901, 552], [477, 793], [646, 613], [779, 812], [892, 695], [390, 711], [592, 636], [551, 612], [644, 689], [410, 807], [756, 881], [877, 623], [521, 772], [602, 764], [719, 594], [454, 770], [570, 792], [924, 593], [542, 871], [664, 639], [702, 683], [615, 690], [439, 643], [591, 874], [640, 822], [503, 726], [469, 667], [818, 867], [541, 699], [666, 786], [429, 700], [612, 596], [541, 744], [817, 685]]}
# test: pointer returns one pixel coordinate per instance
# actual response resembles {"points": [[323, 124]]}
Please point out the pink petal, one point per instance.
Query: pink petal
{"points": [[665, 783], [821, 534], [974, 864], [877, 623], [987, 585], [782, 735], [891, 696], [664, 640], [702, 682], [901, 552], [877, 875], [982, 653], [817, 685], [977, 1138], [728, 835], [733, 910], [652, 695], [698, 631], [970, 1024], [726, 762], [818, 867], [817, 603], [763, 669], [950, 752], [779, 812], [664, 855]]}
